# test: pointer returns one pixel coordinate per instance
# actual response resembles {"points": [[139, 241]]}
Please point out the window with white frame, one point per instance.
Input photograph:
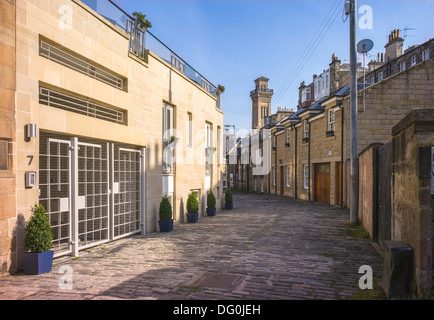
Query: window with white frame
{"points": [[413, 60], [305, 129], [331, 120], [380, 76], [425, 55], [372, 79], [402, 66], [288, 131], [306, 176], [307, 94], [167, 122], [288, 177]]}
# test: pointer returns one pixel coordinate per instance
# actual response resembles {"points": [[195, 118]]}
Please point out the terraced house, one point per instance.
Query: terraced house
{"points": [[108, 120], [310, 158]]}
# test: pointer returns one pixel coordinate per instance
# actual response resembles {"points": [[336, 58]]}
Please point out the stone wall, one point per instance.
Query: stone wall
{"points": [[7, 133], [412, 210]]}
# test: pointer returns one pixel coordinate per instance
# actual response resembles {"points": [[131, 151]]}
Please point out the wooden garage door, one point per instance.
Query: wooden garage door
{"points": [[322, 183]]}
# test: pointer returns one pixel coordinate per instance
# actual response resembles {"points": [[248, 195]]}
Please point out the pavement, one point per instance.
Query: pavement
{"points": [[267, 248]]}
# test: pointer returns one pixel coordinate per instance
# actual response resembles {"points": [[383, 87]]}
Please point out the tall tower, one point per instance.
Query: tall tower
{"points": [[261, 102]]}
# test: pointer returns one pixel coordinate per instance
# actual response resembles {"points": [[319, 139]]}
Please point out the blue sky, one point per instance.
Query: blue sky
{"points": [[233, 42]]}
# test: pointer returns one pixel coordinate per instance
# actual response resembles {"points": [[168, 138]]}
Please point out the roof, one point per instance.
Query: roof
{"points": [[345, 90]]}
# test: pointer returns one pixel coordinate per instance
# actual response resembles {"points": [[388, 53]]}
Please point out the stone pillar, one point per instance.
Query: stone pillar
{"points": [[412, 211]]}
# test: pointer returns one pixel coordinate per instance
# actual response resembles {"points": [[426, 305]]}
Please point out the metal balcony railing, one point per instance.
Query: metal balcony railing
{"points": [[139, 42]]}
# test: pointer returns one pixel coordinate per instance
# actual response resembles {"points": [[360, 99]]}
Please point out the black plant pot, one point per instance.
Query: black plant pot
{"points": [[192, 217], [211, 212], [166, 225], [37, 263], [229, 205]]}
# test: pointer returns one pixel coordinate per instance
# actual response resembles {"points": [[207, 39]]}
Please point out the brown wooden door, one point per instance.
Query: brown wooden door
{"points": [[338, 183], [322, 183], [282, 180]]}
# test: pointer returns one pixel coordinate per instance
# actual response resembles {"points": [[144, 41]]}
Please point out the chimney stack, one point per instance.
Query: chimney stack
{"points": [[394, 46]]}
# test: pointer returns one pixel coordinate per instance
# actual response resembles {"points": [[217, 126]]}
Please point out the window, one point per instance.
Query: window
{"points": [[274, 142], [190, 130], [197, 193], [288, 183], [208, 135], [402, 66], [326, 81], [305, 129], [288, 131], [219, 147], [425, 55], [307, 94], [372, 79], [168, 151], [331, 120], [380, 76], [306, 176], [274, 176], [167, 122], [3, 155], [413, 60]]}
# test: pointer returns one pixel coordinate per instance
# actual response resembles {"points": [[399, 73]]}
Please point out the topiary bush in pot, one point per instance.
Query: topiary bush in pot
{"points": [[192, 208], [229, 204], [211, 202], [165, 214], [38, 241]]}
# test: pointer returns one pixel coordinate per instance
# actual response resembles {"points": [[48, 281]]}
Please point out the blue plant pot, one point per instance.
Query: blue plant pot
{"points": [[37, 263], [192, 217], [229, 205], [211, 212], [166, 225]]}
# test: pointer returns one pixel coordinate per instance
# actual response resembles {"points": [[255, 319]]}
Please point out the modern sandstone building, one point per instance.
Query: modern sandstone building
{"points": [[108, 120]]}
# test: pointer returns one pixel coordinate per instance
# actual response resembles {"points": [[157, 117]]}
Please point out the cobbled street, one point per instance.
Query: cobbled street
{"points": [[268, 248]]}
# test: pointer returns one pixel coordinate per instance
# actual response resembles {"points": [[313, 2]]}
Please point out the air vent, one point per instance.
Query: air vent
{"points": [[88, 108], [3, 155], [55, 54]]}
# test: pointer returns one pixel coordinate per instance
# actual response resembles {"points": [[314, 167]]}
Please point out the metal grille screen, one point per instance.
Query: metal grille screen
{"points": [[101, 167], [3, 155], [55, 54], [67, 102]]}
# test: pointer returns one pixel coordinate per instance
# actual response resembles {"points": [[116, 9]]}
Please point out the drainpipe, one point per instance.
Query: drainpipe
{"points": [[342, 153], [308, 161]]}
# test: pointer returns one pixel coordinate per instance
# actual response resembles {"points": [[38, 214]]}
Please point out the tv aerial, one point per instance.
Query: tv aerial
{"points": [[363, 47]]}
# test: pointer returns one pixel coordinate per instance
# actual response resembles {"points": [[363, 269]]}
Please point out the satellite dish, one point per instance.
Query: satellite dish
{"points": [[364, 46]]}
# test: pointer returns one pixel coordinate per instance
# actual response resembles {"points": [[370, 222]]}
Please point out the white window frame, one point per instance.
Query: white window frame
{"points": [[288, 176], [306, 177], [287, 138], [168, 124], [372, 79], [380, 76], [402, 66], [425, 55], [209, 134], [413, 60], [331, 119], [305, 129]]}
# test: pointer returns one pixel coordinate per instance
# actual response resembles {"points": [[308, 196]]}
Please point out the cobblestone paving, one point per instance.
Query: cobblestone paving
{"points": [[268, 248]]}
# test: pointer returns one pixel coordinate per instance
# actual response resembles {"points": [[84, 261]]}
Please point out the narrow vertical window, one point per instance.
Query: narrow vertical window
{"points": [[306, 176], [425, 55], [190, 130], [288, 177]]}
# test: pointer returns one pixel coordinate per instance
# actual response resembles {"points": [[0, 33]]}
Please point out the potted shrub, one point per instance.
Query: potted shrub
{"points": [[192, 208], [330, 133], [211, 201], [166, 222], [141, 22], [229, 204], [38, 241]]}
